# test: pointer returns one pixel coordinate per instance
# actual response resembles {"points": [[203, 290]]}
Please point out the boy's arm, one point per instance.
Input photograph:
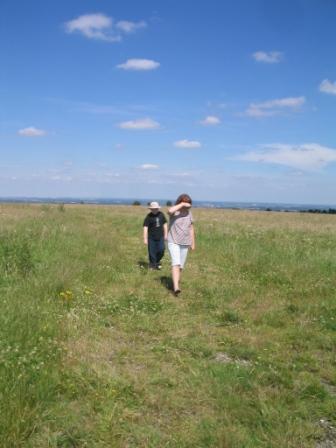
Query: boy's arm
{"points": [[192, 232], [165, 231], [145, 235]]}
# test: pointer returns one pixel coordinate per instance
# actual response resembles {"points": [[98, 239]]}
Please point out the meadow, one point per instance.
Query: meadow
{"points": [[95, 351]]}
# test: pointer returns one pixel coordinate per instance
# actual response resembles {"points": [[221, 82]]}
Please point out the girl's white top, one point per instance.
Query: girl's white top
{"points": [[180, 228]]}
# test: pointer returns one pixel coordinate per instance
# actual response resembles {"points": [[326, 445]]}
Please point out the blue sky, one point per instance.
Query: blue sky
{"points": [[224, 100]]}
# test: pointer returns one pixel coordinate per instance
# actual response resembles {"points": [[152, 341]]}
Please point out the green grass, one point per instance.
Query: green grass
{"points": [[95, 351]]}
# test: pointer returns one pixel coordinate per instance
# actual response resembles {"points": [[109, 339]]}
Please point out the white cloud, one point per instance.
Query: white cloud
{"points": [[270, 57], [102, 27], [327, 86], [189, 144], [149, 166], [210, 120], [306, 157], [32, 132], [93, 26], [182, 174], [274, 107], [140, 124], [129, 27], [139, 64]]}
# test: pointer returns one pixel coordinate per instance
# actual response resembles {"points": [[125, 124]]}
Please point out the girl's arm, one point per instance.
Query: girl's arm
{"points": [[165, 230], [192, 232], [145, 235], [177, 207]]}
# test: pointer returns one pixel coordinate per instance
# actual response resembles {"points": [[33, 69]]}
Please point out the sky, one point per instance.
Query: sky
{"points": [[224, 100]]}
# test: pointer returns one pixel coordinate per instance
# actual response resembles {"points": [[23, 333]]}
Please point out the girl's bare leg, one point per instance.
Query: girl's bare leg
{"points": [[176, 277]]}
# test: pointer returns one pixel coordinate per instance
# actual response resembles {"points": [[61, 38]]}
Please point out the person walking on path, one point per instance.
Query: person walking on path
{"points": [[181, 237], [155, 231]]}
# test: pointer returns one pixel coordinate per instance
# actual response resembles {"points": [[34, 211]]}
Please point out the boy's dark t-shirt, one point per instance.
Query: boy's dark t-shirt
{"points": [[155, 225]]}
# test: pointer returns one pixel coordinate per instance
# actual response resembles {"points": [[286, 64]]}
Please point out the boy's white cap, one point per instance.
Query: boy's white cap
{"points": [[154, 204]]}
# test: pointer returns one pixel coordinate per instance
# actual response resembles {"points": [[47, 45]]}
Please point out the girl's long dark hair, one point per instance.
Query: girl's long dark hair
{"points": [[183, 198]]}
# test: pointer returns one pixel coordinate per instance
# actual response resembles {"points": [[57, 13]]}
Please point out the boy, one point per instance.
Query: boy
{"points": [[155, 232]]}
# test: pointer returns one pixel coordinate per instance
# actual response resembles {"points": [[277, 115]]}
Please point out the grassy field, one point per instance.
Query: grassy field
{"points": [[95, 351]]}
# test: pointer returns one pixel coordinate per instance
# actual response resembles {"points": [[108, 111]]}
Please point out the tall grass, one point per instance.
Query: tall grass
{"points": [[96, 352]]}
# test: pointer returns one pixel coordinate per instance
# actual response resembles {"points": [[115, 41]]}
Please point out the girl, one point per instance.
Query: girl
{"points": [[181, 236]]}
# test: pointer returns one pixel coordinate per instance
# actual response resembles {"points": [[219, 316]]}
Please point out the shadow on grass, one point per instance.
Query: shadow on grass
{"points": [[166, 282], [143, 264]]}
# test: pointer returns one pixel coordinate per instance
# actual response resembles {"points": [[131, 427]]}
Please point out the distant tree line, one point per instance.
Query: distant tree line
{"points": [[330, 211], [168, 203]]}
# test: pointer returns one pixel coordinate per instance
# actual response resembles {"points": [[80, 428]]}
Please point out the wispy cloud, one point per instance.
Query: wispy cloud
{"points": [[101, 27], [139, 64], [93, 108], [93, 26], [130, 27], [98, 109], [270, 57], [327, 86], [306, 157], [274, 107], [188, 144], [149, 166], [139, 124], [32, 132], [210, 120]]}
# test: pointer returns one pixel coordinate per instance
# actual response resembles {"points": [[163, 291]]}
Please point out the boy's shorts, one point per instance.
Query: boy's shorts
{"points": [[178, 254]]}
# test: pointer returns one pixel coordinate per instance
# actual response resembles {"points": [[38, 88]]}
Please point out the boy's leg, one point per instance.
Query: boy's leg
{"points": [[160, 250], [152, 252]]}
